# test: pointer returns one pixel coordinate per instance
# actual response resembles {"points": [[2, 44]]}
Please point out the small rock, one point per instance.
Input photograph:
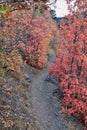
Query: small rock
{"points": [[51, 79], [27, 77]]}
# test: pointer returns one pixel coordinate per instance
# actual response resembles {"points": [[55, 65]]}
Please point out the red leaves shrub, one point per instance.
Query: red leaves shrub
{"points": [[36, 52], [40, 33], [38, 45], [70, 67], [33, 29]]}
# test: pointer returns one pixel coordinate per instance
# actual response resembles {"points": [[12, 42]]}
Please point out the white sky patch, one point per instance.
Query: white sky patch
{"points": [[61, 8]]}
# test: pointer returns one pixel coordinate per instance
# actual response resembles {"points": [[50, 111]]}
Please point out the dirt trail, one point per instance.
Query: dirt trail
{"points": [[46, 106]]}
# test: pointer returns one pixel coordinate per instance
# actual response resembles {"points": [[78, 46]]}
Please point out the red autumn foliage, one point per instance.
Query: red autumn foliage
{"points": [[40, 32], [38, 45], [70, 66], [31, 32], [77, 6]]}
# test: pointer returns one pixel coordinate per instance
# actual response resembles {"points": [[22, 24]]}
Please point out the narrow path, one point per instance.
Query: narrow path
{"points": [[46, 106]]}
